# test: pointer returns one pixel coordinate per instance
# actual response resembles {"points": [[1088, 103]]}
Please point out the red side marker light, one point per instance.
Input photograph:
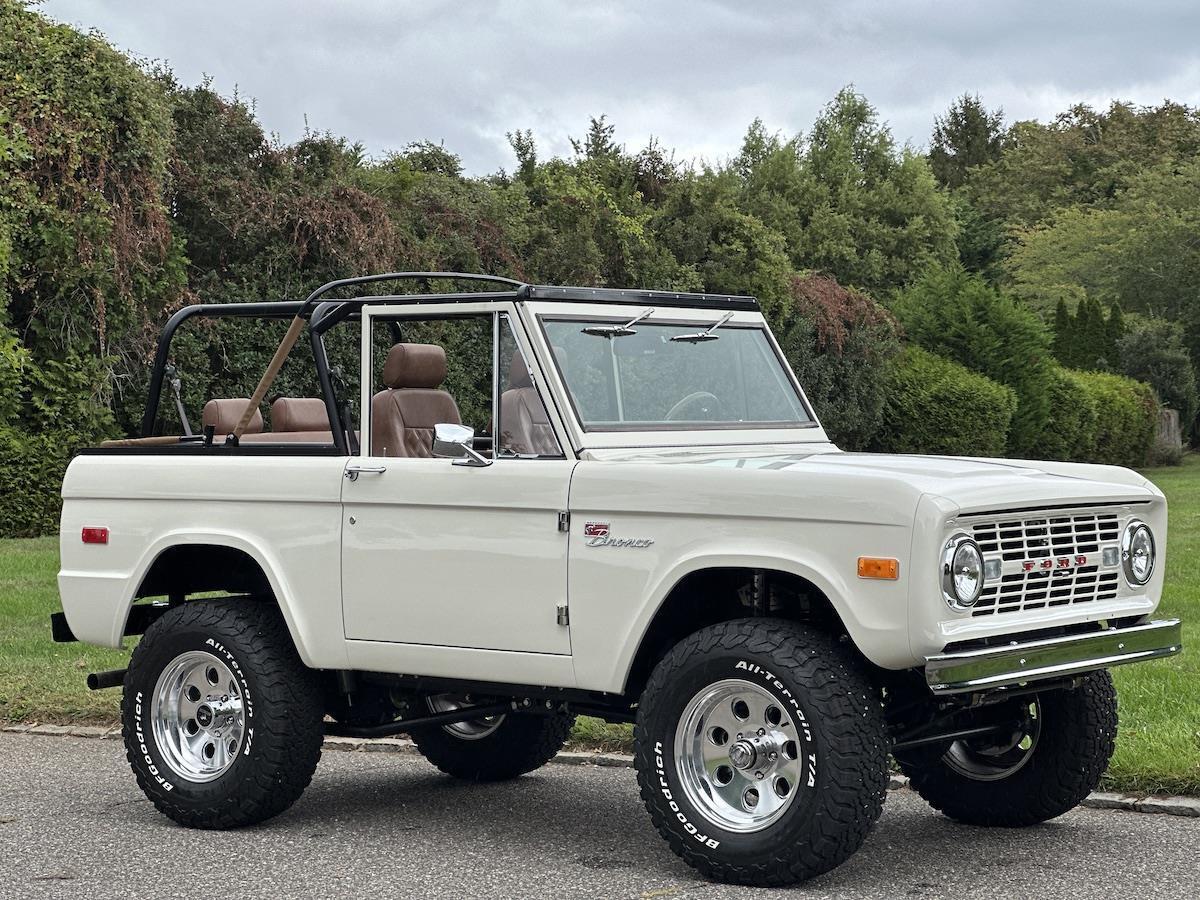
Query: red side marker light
{"points": [[95, 535]]}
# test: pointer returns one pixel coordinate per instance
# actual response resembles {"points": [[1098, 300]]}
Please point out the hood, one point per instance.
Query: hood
{"points": [[970, 483]]}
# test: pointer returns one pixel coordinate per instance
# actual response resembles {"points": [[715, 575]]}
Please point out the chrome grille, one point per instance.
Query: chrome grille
{"points": [[1018, 541]]}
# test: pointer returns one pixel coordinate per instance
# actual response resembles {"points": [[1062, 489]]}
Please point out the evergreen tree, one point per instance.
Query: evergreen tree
{"points": [[1115, 331], [968, 135], [1063, 334]]}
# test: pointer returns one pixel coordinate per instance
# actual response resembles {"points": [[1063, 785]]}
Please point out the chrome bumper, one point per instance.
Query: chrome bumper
{"points": [[999, 667]]}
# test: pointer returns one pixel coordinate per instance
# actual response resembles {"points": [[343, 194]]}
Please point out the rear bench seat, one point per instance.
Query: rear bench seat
{"points": [[295, 420]]}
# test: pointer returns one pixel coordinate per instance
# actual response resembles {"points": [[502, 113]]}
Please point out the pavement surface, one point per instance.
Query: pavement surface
{"points": [[74, 824]]}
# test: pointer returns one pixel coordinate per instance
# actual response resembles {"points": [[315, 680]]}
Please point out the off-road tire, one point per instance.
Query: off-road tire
{"points": [[284, 716], [522, 742], [846, 751], [1078, 734]]}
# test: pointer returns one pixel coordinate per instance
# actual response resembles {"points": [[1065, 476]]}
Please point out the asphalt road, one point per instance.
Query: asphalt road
{"points": [[74, 824]]}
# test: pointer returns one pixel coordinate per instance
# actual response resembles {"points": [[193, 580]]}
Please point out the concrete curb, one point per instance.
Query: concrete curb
{"points": [[1140, 803]]}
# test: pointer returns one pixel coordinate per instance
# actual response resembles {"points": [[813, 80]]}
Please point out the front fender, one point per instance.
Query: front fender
{"points": [[874, 613]]}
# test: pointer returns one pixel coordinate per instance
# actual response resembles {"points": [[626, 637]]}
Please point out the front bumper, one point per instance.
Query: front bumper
{"points": [[1020, 663]]}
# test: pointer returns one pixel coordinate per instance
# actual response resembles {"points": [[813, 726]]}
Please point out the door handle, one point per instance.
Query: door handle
{"points": [[354, 470]]}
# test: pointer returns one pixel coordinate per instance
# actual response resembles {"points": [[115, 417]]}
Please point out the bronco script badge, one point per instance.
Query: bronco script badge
{"points": [[597, 536]]}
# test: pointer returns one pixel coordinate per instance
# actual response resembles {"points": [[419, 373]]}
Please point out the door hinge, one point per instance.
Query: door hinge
{"points": [[564, 521], [562, 615]]}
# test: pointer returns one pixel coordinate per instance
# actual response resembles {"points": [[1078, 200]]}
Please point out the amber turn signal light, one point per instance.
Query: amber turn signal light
{"points": [[872, 567]]}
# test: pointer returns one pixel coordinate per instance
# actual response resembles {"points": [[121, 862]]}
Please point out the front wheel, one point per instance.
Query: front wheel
{"points": [[761, 752], [1050, 758], [222, 721]]}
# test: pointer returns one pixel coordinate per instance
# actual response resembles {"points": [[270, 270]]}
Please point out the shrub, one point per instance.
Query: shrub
{"points": [[838, 341], [31, 471], [1071, 432], [1153, 351], [956, 314], [1126, 417], [934, 405]]}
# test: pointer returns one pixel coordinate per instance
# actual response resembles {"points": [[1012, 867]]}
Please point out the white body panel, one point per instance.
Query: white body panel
{"points": [[454, 571]]}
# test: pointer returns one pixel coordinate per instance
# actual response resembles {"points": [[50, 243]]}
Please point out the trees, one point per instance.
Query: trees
{"points": [[956, 314], [1137, 250], [1153, 351], [968, 135], [847, 200]]}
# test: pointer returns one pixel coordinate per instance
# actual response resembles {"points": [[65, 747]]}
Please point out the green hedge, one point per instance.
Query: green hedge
{"points": [[934, 405], [1071, 434], [1126, 416], [31, 473]]}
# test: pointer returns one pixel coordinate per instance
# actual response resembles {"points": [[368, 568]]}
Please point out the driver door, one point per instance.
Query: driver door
{"points": [[439, 558]]}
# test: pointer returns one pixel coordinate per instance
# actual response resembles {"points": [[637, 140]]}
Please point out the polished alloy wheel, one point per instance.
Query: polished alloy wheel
{"points": [[470, 730], [738, 755], [197, 716], [996, 758]]}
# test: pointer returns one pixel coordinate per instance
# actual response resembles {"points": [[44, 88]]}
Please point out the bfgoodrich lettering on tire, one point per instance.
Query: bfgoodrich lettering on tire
{"points": [[761, 752], [222, 721]]}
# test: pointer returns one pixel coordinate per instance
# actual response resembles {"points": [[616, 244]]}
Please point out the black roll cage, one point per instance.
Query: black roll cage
{"points": [[322, 314]]}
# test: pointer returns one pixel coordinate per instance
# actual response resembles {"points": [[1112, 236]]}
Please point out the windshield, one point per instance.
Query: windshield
{"points": [[639, 379]]}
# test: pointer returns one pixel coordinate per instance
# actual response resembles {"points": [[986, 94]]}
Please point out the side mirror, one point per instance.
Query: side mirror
{"points": [[456, 442]]}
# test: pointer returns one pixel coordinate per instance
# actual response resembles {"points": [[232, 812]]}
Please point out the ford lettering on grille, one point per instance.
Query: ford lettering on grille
{"points": [[1047, 560]]}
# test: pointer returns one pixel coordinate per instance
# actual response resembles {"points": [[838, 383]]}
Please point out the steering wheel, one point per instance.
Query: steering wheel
{"points": [[707, 408]]}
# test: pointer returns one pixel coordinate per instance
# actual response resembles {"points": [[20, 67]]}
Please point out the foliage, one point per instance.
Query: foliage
{"points": [[1071, 434], [933, 405], [847, 201], [1153, 351], [969, 135], [1126, 416], [837, 341], [1087, 339], [958, 315], [1139, 249], [31, 469]]}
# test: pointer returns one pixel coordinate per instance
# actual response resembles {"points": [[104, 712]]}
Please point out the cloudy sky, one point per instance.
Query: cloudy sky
{"points": [[692, 73]]}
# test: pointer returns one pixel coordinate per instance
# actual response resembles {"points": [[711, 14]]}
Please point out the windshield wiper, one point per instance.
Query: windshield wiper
{"points": [[612, 331], [707, 335]]}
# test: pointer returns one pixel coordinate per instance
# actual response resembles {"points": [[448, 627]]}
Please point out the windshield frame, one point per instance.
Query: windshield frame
{"points": [[680, 318]]}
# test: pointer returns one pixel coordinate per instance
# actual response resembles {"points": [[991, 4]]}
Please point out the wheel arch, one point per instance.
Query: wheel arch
{"points": [[176, 565], [705, 590]]}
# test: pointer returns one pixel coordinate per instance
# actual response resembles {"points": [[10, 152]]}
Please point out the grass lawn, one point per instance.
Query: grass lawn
{"points": [[1158, 748]]}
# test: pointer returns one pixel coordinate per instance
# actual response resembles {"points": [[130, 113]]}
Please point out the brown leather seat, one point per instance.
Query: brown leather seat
{"points": [[524, 424], [225, 414], [297, 420], [404, 414], [299, 414]]}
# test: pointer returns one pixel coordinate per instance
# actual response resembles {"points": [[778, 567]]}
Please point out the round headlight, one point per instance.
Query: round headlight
{"points": [[962, 571], [1137, 552]]}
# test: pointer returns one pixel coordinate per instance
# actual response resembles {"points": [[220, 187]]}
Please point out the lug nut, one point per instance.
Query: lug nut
{"points": [[761, 732], [773, 756], [759, 775]]}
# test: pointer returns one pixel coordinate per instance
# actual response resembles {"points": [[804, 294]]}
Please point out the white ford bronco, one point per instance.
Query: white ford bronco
{"points": [[527, 503]]}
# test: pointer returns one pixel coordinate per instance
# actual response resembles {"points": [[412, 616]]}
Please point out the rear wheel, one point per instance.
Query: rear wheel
{"points": [[1044, 765], [495, 748], [761, 752], [222, 721]]}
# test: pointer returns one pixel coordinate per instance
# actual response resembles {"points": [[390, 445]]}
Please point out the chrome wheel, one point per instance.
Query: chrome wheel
{"points": [[738, 755], [996, 758], [197, 717], [470, 730]]}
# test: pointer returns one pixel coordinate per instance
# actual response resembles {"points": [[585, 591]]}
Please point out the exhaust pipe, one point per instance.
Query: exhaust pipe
{"points": [[98, 681]]}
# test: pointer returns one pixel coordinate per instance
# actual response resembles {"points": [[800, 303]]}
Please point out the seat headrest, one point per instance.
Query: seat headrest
{"points": [[415, 366], [299, 414], [518, 373], [224, 415]]}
